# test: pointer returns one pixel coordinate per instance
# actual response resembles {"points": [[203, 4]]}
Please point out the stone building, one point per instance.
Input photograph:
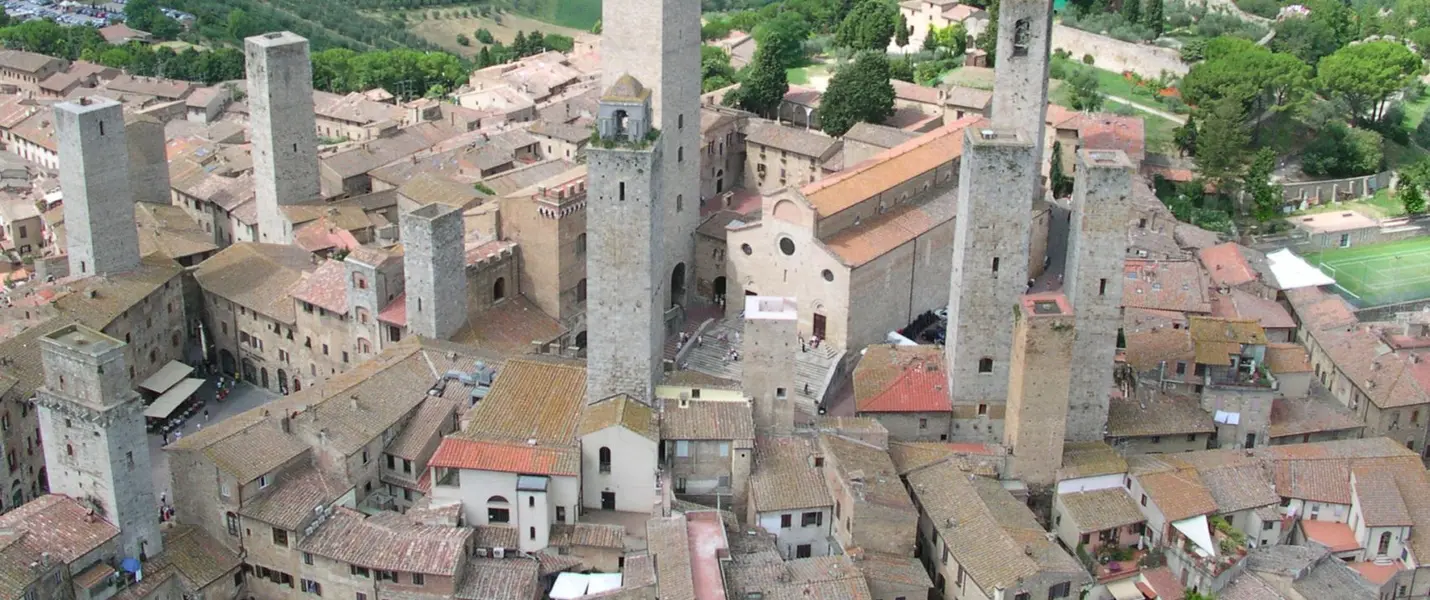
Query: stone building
{"points": [[252, 320], [96, 185], [707, 447], [285, 144], [1020, 87], [1097, 241], [619, 430], [627, 224], [722, 164], [873, 513], [990, 266], [768, 376], [434, 261], [777, 156], [905, 389], [547, 220], [1040, 369], [148, 164], [788, 496]]}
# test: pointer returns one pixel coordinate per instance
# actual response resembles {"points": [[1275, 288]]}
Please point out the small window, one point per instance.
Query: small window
{"points": [[1144, 499], [724, 448], [786, 521], [605, 458], [1102, 287], [682, 448], [982, 410], [679, 121], [995, 264], [985, 365], [679, 202], [307, 558], [747, 249], [533, 532], [923, 423], [263, 481], [621, 191], [280, 537], [828, 275], [811, 519], [418, 579]]}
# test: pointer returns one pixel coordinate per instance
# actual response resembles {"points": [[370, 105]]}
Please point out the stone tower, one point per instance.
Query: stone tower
{"points": [[434, 266], [658, 43], [767, 368], [285, 134], [625, 223], [1097, 244], [99, 206], [92, 424], [1020, 84], [148, 162], [1038, 387], [990, 271]]}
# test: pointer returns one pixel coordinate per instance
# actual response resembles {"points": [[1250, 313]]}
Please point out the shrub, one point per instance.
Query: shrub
{"points": [[1340, 151], [1260, 8], [1087, 59], [1422, 133]]}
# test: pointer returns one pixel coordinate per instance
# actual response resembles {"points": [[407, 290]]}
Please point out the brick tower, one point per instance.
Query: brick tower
{"points": [[95, 182], [285, 134], [1020, 84], [92, 425], [1097, 244], [658, 43], [435, 270], [625, 221], [767, 372], [990, 272], [1038, 386]]}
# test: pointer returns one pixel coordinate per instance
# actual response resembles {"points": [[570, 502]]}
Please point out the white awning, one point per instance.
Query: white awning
{"points": [[569, 586], [171, 374], [165, 404], [1198, 530], [1125, 589], [1293, 272]]}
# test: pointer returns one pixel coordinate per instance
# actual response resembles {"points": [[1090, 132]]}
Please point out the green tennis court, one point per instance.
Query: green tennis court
{"points": [[1381, 273]]}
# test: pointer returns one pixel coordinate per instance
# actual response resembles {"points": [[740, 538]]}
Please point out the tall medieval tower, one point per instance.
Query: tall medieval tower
{"points": [[1020, 84], [658, 43], [625, 308], [95, 182], [434, 270], [92, 425], [771, 332], [1097, 244], [990, 272], [285, 133]]}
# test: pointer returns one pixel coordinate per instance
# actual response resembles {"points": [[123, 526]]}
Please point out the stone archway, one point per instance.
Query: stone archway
{"points": [[677, 285], [250, 371], [581, 340], [282, 381], [226, 364], [719, 286], [263, 377]]}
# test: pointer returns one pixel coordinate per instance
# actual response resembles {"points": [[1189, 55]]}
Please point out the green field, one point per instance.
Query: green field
{"points": [[576, 14], [1381, 273]]}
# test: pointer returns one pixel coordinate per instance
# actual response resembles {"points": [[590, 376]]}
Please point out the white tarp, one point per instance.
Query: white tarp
{"points": [[1198, 530], [172, 373], [165, 404], [1227, 418], [569, 586], [603, 582], [1125, 589], [1293, 272]]}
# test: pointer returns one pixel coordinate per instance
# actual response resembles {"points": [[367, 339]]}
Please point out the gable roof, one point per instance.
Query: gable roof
{"points": [[707, 420], [893, 379], [783, 477], [888, 170], [1178, 493], [256, 276], [618, 410]]}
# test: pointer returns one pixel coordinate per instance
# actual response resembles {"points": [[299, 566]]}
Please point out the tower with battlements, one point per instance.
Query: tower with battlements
{"points": [[1097, 244], [285, 134], [658, 43], [92, 426], [990, 272], [1020, 84], [625, 223], [434, 268], [95, 181]]}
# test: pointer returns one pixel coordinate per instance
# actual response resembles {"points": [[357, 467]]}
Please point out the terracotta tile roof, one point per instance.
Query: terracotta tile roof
{"points": [[56, 524], [1240, 487], [881, 136], [1103, 131], [495, 536], [1086, 459], [803, 96], [1240, 304], [619, 410], [532, 398], [857, 246], [170, 230], [973, 458], [1315, 480], [507, 457], [322, 235], [1176, 285], [168, 89], [1160, 413], [325, 287], [592, 535], [347, 536], [1310, 415], [1164, 584], [870, 464], [920, 387], [1319, 310], [430, 188], [815, 578], [1101, 509], [1387, 378], [288, 504], [1249, 587], [1336, 537], [707, 420], [1178, 493], [509, 328], [38, 129], [1147, 349], [1217, 339], [1379, 498], [784, 478], [795, 140], [395, 313], [429, 423], [882, 364], [251, 452], [968, 97], [200, 558], [500, 579], [889, 169], [1287, 358], [28, 62], [669, 544], [903, 571], [257, 276], [17, 552]]}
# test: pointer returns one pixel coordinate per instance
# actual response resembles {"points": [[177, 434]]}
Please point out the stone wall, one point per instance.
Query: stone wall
{"points": [[434, 268], [284, 130], [92, 142], [1119, 56]]}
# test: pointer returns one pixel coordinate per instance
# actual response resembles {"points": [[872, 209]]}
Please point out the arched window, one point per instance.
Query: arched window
{"points": [[364, 346], [1384, 543], [605, 459], [499, 289], [581, 244], [498, 510]]}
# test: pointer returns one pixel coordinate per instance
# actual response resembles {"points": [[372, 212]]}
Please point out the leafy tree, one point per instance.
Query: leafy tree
{"points": [[1061, 183], [1221, 143], [1411, 198], [764, 86], [1185, 137], [953, 38], [1249, 74], [1366, 75], [1085, 95], [715, 69], [901, 32], [240, 25], [1194, 50], [1336, 17], [1307, 39], [902, 70], [784, 35], [463, 40], [1132, 10], [988, 42], [1340, 151], [485, 36], [1266, 199], [145, 15], [484, 58], [931, 39], [869, 26], [860, 91], [1154, 17]]}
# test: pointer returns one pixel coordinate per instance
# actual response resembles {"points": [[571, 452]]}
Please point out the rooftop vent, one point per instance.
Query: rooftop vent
{"points": [[988, 134]]}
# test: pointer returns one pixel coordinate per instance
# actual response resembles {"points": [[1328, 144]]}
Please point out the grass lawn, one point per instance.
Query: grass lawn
{"points": [[576, 14], [443, 32], [1382, 205], [797, 75], [1415, 111], [1381, 273]]}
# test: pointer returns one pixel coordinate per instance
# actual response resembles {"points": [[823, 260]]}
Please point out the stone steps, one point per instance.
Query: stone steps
{"points": [[811, 368]]}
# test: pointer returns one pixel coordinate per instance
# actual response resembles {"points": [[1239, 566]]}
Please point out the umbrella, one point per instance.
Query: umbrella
{"points": [[130, 565]]}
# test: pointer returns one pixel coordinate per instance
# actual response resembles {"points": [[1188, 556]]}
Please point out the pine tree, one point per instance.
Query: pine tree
{"points": [[901, 34], [988, 42], [1060, 181], [1154, 18], [484, 59], [1132, 11]]}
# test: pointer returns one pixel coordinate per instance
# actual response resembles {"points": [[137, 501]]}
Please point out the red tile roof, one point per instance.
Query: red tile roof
{"points": [[1239, 304], [1338, 537], [326, 287], [457, 453], [322, 235], [922, 387], [1102, 131], [1226, 265], [395, 313]]}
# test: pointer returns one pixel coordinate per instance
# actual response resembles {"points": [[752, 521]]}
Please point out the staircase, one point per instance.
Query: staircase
{"points": [[812, 368]]}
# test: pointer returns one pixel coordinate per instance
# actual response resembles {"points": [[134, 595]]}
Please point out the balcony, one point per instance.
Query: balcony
{"points": [[1246, 375], [1110, 563]]}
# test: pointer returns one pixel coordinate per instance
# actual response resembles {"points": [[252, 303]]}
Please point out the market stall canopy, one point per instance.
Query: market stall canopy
{"points": [[1125, 589], [171, 399], [172, 373]]}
